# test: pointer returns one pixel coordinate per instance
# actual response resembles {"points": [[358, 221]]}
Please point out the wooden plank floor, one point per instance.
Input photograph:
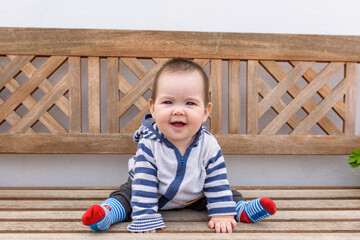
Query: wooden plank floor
{"points": [[303, 213]]}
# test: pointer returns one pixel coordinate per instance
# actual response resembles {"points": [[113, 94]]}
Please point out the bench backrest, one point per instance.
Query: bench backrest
{"points": [[271, 93]]}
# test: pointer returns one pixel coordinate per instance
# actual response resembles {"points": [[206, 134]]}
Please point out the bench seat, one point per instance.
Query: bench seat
{"points": [[303, 213]]}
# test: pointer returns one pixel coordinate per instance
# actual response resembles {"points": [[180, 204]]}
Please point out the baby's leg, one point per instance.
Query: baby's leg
{"points": [[113, 210], [253, 211]]}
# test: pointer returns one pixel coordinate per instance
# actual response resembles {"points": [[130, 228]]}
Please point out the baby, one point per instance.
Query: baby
{"points": [[178, 164]]}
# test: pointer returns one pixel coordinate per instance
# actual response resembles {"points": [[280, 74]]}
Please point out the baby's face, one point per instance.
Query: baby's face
{"points": [[179, 108]]}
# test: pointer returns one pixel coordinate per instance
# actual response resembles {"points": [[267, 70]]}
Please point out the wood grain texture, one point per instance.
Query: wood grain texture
{"points": [[75, 117], [325, 123], [45, 85], [13, 68], [252, 98], [216, 96], [290, 79], [94, 95], [234, 103], [30, 85], [46, 119], [321, 110], [41, 107], [230, 144], [113, 120], [181, 236], [302, 98], [302, 213], [127, 43], [350, 99]]}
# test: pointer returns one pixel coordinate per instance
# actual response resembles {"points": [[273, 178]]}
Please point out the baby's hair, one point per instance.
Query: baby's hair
{"points": [[181, 65]]}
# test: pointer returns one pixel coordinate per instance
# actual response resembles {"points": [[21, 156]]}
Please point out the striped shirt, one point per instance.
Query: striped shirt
{"points": [[164, 179]]}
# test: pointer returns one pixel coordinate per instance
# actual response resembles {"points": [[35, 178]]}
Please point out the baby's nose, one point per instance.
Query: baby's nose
{"points": [[178, 111]]}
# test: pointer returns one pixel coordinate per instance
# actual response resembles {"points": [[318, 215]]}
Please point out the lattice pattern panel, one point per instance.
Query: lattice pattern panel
{"points": [[31, 90], [294, 94], [58, 94]]}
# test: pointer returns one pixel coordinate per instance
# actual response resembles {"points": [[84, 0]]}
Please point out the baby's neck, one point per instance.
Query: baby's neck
{"points": [[183, 146]]}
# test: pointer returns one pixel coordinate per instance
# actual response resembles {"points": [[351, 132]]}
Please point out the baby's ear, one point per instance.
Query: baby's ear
{"points": [[151, 106], [207, 111]]}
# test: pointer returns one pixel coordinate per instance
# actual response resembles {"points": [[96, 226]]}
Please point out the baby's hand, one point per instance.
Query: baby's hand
{"points": [[222, 224]]}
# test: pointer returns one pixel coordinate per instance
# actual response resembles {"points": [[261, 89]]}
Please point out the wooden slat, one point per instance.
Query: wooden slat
{"points": [[88, 42], [113, 120], [98, 194], [182, 236], [30, 85], [75, 123], [135, 66], [13, 117], [186, 227], [216, 96], [288, 205], [184, 216], [67, 143], [134, 124], [278, 73], [252, 98], [125, 87], [94, 95], [41, 107], [320, 110], [305, 94], [291, 78], [230, 144], [13, 68], [284, 144], [234, 103], [350, 99]]}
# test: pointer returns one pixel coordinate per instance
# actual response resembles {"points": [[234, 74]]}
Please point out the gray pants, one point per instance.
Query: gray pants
{"points": [[123, 195]]}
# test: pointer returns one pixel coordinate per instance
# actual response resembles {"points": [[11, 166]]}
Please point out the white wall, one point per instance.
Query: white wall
{"points": [[277, 16]]}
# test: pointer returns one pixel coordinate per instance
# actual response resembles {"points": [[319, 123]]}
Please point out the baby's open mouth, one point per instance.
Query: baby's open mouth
{"points": [[178, 124]]}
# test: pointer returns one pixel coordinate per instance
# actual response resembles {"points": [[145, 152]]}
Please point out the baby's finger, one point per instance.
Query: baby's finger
{"points": [[211, 224], [217, 227], [223, 227], [229, 227]]}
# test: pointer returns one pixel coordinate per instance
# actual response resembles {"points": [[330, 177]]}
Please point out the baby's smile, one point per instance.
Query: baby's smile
{"points": [[178, 124]]}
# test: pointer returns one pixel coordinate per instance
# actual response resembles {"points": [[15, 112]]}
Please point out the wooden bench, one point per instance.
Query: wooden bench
{"points": [[298, 97]]}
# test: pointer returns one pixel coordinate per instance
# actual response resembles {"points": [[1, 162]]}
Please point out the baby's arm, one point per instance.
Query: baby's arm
{"points": [[222, 224], [144, 199]]}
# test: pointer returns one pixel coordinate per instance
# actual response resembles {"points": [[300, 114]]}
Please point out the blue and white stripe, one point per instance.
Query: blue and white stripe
{"points": [[117, 212], [253, 209], [146, 224], [217, 189]]}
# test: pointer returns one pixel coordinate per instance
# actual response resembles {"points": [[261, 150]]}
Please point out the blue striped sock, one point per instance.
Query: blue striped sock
{"points": [[114, 213], [254, 210]]}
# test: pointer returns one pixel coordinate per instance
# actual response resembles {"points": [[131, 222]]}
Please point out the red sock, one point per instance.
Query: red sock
{"points": [[93, 215], [267, 203]]}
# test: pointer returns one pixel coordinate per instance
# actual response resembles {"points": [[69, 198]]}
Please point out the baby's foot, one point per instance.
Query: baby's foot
{"points": [[255, 210], [101, 217]]}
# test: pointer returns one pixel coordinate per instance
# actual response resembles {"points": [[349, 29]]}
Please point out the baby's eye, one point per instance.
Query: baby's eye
{"points": [[167, 102], [190, 103]]}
